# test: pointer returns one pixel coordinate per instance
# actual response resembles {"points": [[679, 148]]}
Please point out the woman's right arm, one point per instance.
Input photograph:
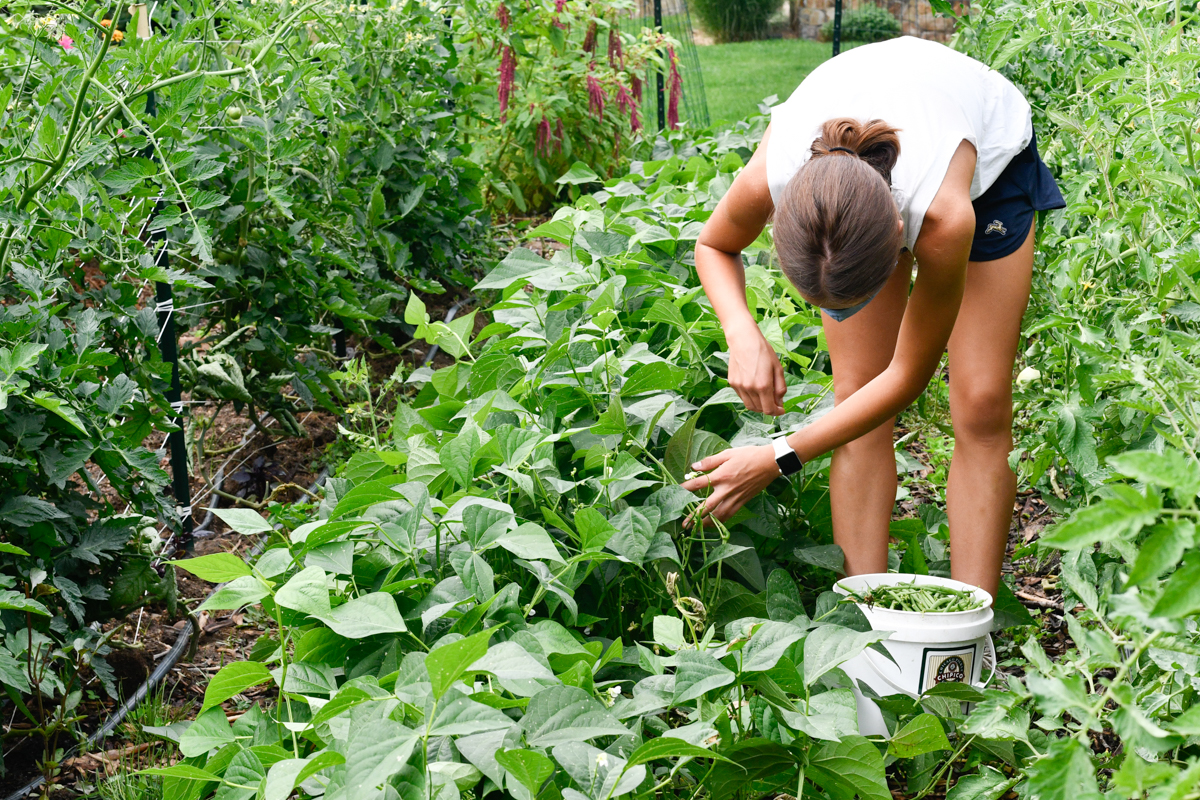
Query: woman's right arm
{"points": [[754, 369]]}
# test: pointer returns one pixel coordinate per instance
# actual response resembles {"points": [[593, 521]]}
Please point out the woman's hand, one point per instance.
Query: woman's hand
{"points": [[754, 370], [734, 477]]}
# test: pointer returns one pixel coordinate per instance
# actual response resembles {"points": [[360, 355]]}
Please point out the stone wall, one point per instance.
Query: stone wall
{"points": [[916, 17]]}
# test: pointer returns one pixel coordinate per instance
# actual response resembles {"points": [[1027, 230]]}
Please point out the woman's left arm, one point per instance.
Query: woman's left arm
{"points": [[942, 250]]}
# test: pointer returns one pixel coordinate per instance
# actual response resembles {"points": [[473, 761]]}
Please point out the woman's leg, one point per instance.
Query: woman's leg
{"points": [[862, 480], [983, 347]]}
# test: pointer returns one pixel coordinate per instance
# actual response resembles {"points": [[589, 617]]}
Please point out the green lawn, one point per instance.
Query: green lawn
{"points": [[738, 76]]}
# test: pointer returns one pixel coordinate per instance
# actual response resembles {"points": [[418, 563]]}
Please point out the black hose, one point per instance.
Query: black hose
{"points": [[169, 661]]}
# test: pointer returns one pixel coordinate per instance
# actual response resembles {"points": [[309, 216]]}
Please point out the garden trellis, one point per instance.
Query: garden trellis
{"points": [[676, 21]]}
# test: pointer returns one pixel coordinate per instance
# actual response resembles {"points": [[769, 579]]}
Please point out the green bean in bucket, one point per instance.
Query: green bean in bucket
{"points": [[925, 599]]}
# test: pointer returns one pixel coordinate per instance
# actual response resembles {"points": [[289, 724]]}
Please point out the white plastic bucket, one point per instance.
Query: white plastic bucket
{"points": [[928, 648]]}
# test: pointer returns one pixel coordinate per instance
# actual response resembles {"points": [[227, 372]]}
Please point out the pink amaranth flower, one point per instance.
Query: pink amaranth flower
{"points": [[544, 136], [675, 80], [616, 55], [66, 43], [635, 83], [503, 16], [589, 39], [595, 96], [624, 99], [508, 71], [558, 135], [559, 5], [625, 102]]}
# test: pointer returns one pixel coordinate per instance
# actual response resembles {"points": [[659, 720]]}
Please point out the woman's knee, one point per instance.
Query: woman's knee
{"points": [[982, 413]]}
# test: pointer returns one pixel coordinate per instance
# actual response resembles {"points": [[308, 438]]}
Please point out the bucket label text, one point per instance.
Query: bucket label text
{"points": [[945, 665]]}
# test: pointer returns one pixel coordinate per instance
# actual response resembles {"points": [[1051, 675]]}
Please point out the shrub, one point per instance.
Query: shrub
{"points": [[346, 185], [735, 20], [555, 84], [869, 23]]}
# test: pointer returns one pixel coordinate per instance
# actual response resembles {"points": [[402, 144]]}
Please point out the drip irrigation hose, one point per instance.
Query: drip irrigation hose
{"points": [[169, 661], [433, 351]]}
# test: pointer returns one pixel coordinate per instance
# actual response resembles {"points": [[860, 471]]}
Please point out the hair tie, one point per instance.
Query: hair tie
{"points": [[843, 149]]}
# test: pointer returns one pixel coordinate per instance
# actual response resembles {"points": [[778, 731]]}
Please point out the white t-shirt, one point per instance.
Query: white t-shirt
{"points": [[936, 97]]}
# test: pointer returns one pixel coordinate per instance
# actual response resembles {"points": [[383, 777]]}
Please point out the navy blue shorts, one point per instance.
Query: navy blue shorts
{"points": [[1005, 212]]}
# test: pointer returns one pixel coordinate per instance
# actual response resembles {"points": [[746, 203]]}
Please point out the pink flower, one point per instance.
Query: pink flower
{"points": [[616, 55], [625, 102], [503, 16], [595, 96], [508, 71], [558, 135], [67, 43], [589, 39], [559, 5], [635, 83], [675, 80], [544, 136]]}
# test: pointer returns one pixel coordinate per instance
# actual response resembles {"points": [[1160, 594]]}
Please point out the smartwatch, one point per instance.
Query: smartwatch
{"points": [[785, 457]]}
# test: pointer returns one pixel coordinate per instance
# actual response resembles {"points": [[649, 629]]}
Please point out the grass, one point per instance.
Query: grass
{"points": [[739, 75]]}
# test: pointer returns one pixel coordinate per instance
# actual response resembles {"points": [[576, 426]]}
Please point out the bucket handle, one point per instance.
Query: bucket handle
{"points": [[871, 656], [991, 648]]}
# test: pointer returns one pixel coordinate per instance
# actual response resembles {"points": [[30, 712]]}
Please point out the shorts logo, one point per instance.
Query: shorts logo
{"points": [[996, 226]]}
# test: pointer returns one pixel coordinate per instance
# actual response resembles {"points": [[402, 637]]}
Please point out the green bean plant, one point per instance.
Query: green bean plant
{"points": [[501, 597]]}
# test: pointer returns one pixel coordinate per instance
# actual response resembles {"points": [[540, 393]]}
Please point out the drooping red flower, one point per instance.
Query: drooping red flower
{"points": [[559, 5], [635, 83], [595, 96], [508, 72], [616, 55], [558, 135], [675, 82], [625, 102], [589, 38], [624, 99], [543, 142], [502, 15]]}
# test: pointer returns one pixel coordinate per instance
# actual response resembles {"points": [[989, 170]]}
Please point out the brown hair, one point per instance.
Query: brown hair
{"points": [[836, 226]]}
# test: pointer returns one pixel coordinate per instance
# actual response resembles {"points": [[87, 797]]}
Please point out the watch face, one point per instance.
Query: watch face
{"points": [[789, 463]]}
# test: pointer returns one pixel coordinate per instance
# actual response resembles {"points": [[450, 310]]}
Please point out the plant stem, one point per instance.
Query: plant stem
{"points": [[1094, 711], [933, 782], [283, 665]]}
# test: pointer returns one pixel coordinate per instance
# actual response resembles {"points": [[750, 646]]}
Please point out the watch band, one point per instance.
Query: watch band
{"points": [[785, 457]]}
